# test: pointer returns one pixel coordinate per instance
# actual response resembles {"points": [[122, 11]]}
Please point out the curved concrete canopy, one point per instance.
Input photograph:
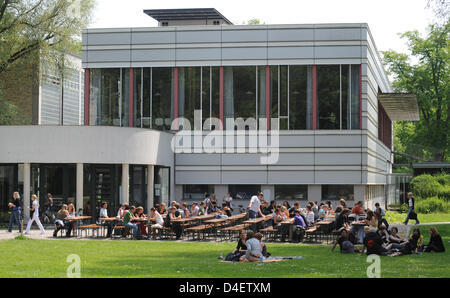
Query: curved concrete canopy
{"points": [[85, 144]]}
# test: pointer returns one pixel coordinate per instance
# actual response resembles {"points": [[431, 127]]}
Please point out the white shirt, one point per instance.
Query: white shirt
{"points": [[310, 217], [159, 219], [410, 202], [256, 203], [195, 211], [228, 200], [103, 212], [36, 208]]}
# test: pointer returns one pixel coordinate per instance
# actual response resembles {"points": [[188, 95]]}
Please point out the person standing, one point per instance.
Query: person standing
{"points": [[16, 210], [35, 217], [411, 214], [254, 206]]}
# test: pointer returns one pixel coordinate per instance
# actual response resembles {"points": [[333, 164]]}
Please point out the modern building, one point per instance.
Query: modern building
{"points": [[319, 90]]}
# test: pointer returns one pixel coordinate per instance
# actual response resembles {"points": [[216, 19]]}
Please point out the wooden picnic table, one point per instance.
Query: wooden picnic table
{"points": [[109, 219], [76, 218]]}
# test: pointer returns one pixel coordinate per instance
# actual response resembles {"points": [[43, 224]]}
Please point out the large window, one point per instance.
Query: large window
{"points": [[240, 92], [243, 192], [8, 185], [105, 97], [196, 192], [162, 98], [189, 86], [337, 192], [291, 192], [338, 104], [290, 96]]}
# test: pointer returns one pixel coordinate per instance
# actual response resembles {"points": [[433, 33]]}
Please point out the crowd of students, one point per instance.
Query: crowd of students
{"points": [[376, 237]]}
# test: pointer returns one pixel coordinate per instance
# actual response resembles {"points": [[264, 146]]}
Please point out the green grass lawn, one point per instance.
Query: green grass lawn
{"points": [[44, 258], [394, 217]]}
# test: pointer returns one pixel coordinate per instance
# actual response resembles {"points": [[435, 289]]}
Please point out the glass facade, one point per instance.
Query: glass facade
{"points": [[337, 192], [290, 96], [8, 185], [291, 192]]}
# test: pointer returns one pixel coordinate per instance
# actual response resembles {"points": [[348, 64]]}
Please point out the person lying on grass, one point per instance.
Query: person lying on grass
{"points": [[346, 242]]}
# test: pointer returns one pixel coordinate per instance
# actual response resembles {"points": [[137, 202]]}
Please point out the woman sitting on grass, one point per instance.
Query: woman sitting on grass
{"points": [[240, 250], [410, 247], [254, 251], [346, 242], [263, 245], [435, 244]]}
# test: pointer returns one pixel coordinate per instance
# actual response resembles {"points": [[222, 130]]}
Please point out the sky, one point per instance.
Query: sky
{"points": [[386, 18]]}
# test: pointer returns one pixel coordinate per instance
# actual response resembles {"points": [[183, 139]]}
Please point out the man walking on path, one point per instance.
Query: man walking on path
{"points": [[411, 213]]}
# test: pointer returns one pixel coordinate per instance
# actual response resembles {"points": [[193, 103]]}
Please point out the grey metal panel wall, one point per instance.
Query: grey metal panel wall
{"points": [[319, 157], [238, 45]]}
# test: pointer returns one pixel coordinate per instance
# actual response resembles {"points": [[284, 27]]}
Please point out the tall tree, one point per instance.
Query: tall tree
{"points": [[429, 79], [27, 26]]}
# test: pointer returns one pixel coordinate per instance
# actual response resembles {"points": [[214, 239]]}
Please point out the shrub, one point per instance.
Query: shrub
{"points": [[425, 186], [443, 179], [431, 205], [444, 193]]}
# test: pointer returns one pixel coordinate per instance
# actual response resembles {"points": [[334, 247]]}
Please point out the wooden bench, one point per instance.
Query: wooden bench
{"points": [[269, 233], [92, 227], [197, 230], [230, 231], [310, 232]]}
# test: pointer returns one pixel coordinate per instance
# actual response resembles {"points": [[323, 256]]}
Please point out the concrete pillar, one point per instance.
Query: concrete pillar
{"points": [[269, 192], [314, 193], [125, 183], [150, 186], [79, 188], [361, 195], [179, 193], [26, 189], [221, 192]]}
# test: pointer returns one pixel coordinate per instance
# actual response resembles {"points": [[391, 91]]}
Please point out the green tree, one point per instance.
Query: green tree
{"points": [[47, 26], [8, 112], [429, 79], [39, 28]]}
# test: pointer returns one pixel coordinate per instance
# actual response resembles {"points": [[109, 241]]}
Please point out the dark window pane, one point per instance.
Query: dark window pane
{"points": [[162, 98], [206, 94], [137, 95], [300, 97], [283, 91], [291, 192], [243, 192], [215, 85], [105, 95], [125, 96], [337, 192], [355, 75], [346, 96], [189, 93], [146, 99], [196, 192], [328, 96], [240, 92], [274, 91]]}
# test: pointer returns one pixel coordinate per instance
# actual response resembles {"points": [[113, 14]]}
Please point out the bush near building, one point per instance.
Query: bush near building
{"points": [[432, 192]]}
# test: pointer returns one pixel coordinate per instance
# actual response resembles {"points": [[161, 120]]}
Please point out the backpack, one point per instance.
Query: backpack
{"points": [[234, 257]]}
